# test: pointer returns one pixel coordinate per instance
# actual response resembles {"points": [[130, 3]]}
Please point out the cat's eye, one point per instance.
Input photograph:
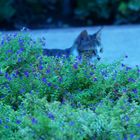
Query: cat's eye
{"points": [[93, 52], [101, 50]]}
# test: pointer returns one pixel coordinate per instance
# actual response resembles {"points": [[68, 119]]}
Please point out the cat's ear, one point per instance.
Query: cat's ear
{"points": [[97, 35], [82, 36]]}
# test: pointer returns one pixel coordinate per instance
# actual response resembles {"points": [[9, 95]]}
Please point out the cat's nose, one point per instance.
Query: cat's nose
{"points": [[98, 58]]}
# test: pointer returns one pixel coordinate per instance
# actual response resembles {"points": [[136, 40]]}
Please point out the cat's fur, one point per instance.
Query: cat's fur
{"points": [[87, 46]]}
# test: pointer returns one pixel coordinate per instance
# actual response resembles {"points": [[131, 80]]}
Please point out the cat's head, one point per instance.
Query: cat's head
{"points": [[89, 46]]}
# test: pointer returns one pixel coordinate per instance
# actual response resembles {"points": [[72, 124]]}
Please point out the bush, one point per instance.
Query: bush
{"points": [[6, 10], [40, 95], [44, 14]]}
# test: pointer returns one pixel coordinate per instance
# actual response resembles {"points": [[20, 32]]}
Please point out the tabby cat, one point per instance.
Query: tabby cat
{"points": [[86, 46]]}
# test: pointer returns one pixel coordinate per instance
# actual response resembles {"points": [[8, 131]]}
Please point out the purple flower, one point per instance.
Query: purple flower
{"points": [[51, 116], [135, 90], [26, 73], [95, 79], [91, 73], [8, 38], [7, 76], [125, 138], [7, 119], [34, 121], [2, 96], [131, 80], [19, 59], [0, 121], [9, 51], [22, 91], [49, 84], [18, 121], [40, 67], [132, 136], [48, 71], [125, 90], [104, 73], [71, 123], [75, 66], [127, 118], [60, 79], [128, 68], [20, 50], [138, 70], [138, 125], [123, 65], [6, 126], [14, 35], [1, 72], [17, 72], [79, 58], [21, 42], [2, 42], [44, 80]]}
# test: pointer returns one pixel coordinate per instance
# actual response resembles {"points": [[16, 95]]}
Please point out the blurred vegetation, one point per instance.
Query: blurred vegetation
{"points": [[56, 13]]}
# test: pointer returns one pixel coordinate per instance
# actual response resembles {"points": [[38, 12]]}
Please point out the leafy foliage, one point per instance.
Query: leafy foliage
{"points": [[55, 13], [40, 95], [6, 10]]}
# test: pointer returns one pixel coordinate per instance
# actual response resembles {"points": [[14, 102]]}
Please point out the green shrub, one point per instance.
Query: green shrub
{"points": [[6, 10], [40, 95]]}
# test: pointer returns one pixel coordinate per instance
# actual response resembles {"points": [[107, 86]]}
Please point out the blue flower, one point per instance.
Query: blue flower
{"points": [[22, 91], [1, 72], [9, 51], [7, 76], [95, 79], [125, 138], [40, 67], [20, 50], [125, 90], [6, 126], [19, 59], [132, 136], [135, 90], [131, 80], [75, 66], [2, 42], [60, 79], [34, 121], [127, 118], [128, 68], [91, 73], [48, 71], [49, 84], [51, 116], [44, 80], [138, 125], [7, 119], [71, 123], [21, 42], [0, 121], [123, 65], [26, 73], [18, 121]]}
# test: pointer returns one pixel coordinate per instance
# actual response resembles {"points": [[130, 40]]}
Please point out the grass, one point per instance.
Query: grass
{"points": [[49, 98]]}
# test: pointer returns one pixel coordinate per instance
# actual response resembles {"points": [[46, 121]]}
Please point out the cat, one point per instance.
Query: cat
{"points": [[86, 46]]}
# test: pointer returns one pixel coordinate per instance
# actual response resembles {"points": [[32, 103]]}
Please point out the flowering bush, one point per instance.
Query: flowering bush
{"points": [[45, 97]]}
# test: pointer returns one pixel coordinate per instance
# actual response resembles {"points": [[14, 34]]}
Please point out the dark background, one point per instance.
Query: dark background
{"points": [[36, 14]]}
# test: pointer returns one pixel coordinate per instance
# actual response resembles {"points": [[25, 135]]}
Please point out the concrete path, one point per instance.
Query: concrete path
{"points": [[117, 41]]}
